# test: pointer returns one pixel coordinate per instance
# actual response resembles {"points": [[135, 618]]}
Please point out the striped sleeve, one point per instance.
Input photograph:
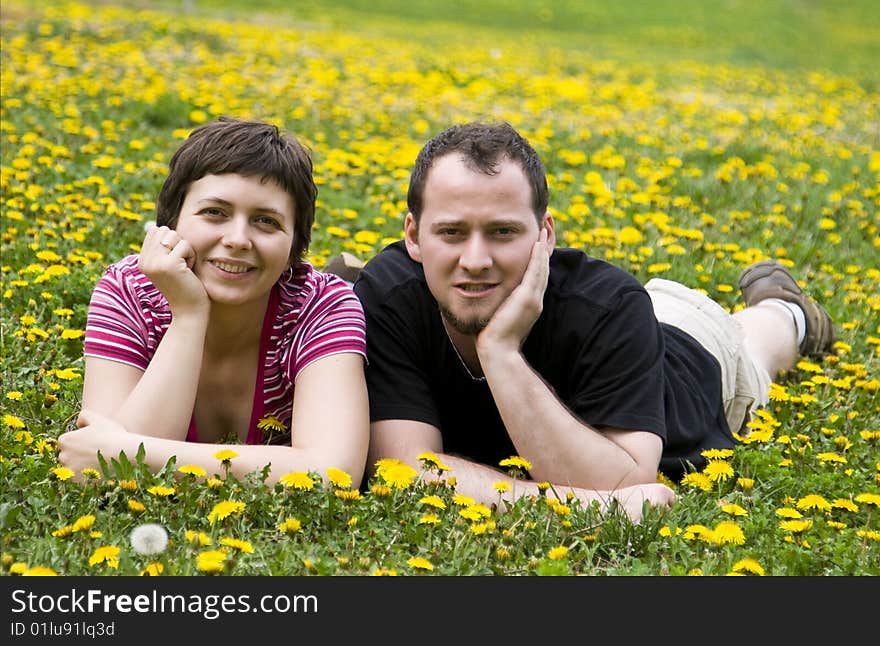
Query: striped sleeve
{"points": [[117, 327], [331, 322]]}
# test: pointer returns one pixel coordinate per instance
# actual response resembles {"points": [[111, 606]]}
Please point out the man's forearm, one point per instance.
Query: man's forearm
{"points": [[562, 449]]}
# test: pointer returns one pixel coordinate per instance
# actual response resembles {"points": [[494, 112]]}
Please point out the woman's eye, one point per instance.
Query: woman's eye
{"points": [[212, 210], [268, 221]]}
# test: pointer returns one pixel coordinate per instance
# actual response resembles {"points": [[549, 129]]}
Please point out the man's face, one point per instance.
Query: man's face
{"points": [[474, 239]]}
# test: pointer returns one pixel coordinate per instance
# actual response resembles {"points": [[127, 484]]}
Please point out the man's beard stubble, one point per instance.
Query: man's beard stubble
{"points": [[469, 327]]}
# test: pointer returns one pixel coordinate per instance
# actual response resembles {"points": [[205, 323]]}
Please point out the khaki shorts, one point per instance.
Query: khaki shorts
{"points": [[745, 385]]}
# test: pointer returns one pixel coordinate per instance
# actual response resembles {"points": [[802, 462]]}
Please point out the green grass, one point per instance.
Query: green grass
{"points": [[790, 35], [684, 143]]}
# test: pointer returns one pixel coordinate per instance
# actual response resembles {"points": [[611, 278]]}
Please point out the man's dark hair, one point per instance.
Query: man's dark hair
{"points": [[482, 147], [250, 149]]}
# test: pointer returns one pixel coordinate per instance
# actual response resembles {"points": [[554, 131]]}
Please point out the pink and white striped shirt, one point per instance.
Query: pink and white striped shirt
{"points": [[310, 316]]}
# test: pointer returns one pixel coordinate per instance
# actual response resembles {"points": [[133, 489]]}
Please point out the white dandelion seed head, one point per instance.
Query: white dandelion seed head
{"points": [[149, 539]]}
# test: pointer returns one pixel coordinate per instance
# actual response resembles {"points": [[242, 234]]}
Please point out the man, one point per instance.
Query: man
{"points": [[484, 342]]}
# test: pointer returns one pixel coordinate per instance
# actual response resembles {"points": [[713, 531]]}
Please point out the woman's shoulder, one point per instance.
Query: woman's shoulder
{"points": [[124, 275], [302, 287]]}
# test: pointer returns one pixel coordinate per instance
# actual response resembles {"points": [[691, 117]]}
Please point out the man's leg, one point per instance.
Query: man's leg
{"points": [[770, 336], [776, 309]]}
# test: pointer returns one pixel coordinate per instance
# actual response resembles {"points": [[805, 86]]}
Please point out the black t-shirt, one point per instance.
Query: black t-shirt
{"points": [[597, 344]]}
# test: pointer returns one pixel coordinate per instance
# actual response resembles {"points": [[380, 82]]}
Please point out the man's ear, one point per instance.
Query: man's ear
{"points": [[548, 224], [411, 238]]}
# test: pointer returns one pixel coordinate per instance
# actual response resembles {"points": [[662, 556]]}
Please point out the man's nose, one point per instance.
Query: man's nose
{"points": [[476, 254]]}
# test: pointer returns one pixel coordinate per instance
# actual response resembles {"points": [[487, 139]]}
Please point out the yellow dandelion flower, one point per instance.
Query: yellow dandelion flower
{"points": [[869, 499], [501, 487], [136, 506], [429, 519], [39, 571], [62, 473], [717, 454], [214, 483], [718, 470], [728, 532], [814, 501], [271, 424], [83, 523], [240, 545], [18, 568], [788, 512], [557, 553], [380, 490], [419, 563], [430, 460], [796, 526], [778, 393], [198, 537], [225, 455], [383, 572], [108, 554], [870, 534], [516, 462], [153, 569], [225, 509], [62, 532], [697, 481], [339, 478], [91, 474], [211, 561], [345, 494], [161, 491], [68, 374], [433, 501], [734, 510], [478, 529], [697, 531], [748, 565], [461, 499], [831, 457], [128, 485], [297, 480], [192, 470], [746, 484], [475, 512], [290, 526], [396, 473]]}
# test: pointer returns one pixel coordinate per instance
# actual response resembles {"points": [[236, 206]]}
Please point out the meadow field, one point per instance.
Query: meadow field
{"points": [[682, 140]]}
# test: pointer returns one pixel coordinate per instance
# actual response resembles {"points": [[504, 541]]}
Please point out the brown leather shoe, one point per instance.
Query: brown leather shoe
{"points": [[769, 279], [345, 265]]}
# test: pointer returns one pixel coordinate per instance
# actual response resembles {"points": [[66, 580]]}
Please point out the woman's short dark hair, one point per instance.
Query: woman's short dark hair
{"points": [[482, 147], [251, 149]]}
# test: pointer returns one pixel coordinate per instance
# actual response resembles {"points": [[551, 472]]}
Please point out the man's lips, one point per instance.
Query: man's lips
{"points": [[473, 289]]}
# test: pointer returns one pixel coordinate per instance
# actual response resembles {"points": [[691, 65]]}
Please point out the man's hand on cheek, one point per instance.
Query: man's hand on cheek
{"points": [[512, 321]]}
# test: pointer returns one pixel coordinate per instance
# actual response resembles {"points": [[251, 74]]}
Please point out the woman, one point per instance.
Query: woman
{"points": [[218, 331]]}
